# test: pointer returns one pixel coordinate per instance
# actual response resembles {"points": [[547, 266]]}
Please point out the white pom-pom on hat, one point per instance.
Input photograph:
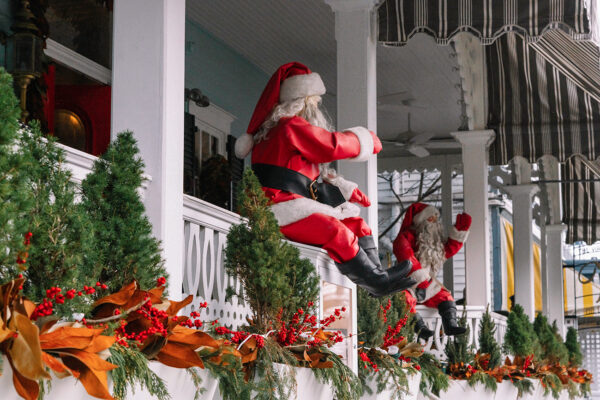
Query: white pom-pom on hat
{"points": [[243, 145]]}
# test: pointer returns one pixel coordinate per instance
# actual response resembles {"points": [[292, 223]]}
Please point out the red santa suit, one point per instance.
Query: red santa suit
{"points": [[300, 147], [406, 247]]}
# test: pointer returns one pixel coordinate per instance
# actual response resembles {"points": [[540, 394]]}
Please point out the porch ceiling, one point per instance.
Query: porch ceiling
{"points": [[420, 78]]}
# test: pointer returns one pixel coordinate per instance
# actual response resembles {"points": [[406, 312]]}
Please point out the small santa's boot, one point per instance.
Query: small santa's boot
{"points": [[362, 271], [367, 243], [447, 310], [422, 331]]}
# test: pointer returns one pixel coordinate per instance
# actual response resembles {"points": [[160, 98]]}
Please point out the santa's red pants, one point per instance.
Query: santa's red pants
{"points": [[338, 237], [433, 302]]}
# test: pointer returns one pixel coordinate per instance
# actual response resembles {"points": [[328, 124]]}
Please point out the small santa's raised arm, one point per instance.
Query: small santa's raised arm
{"points": [[421, 241], [292, 142]]}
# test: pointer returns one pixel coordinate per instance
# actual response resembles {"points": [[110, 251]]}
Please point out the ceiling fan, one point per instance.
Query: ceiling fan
{"points": [[417, 143]]}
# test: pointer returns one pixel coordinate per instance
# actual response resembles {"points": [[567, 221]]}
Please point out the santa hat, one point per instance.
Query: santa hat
{"points": [[416, 214], [290, 81]]}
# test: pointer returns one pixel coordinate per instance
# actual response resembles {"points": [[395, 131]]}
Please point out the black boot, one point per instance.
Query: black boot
{"points": [[422, 331], [362, 271], [367, 243], [447, 311]]}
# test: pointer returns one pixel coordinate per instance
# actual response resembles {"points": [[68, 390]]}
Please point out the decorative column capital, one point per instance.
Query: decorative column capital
{"points": [[481, 137], [351, 5], [522, 190], [556, 228]]}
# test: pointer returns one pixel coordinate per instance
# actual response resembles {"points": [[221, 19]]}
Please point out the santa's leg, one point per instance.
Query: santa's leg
{"points": [[444, 302], [341, 244], [365, 237], [421, 329]]}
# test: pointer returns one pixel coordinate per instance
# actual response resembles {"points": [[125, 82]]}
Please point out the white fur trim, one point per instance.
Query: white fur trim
{"points": [[366, 143], [433, 289], [299, 86], [291, 211], [459, 236], [345, 186], [427, 212], [421, 275], [243, 145]]}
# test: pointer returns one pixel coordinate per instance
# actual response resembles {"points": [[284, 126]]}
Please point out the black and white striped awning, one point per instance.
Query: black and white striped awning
{"points": [[539, 101], [581, 208], [399, 20]]}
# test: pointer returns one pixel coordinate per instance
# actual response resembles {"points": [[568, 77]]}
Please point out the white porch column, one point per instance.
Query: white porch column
{"points": [[355, 33], [523, 246], [147, 98], [447, 220], [554, 256], [475, 183]]}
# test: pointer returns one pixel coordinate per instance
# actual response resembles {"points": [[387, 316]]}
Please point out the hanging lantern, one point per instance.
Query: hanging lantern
{"points": [[24, 53]]}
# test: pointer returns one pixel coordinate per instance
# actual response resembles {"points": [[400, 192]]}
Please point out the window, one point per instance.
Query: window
{"points": [[207, 170]]}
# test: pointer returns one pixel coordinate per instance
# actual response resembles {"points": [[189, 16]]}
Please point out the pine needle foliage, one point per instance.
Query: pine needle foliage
{"points": [[14, 197], [346, 385], [458, 349], [433, 378], [371, 327], [133, 370], [391, 374], [61, 236], [552, 385], [524, 386], [520, 338], [229, 373], [272, 380], [487, 340], [488, 382], [573, 347], [552, 349], [125, 248], [273, 275]]}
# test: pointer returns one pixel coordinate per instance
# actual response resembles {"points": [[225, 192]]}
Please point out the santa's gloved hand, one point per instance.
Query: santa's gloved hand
{"points": [[359, 197], [463, 222], [376, 143]]}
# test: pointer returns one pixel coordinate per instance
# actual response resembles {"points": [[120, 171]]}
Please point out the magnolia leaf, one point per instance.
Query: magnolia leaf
{"points": [[94, 381], [60, 369], [179, 356], [175, 306], [193, 337], [67, 337], [25, 351], [26, 388]]}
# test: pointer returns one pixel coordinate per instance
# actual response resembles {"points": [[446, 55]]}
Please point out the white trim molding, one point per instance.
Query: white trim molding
{"points": [[69, 58]]}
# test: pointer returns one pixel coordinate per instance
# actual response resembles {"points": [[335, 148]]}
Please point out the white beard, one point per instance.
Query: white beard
{"points": [[431, 253]]}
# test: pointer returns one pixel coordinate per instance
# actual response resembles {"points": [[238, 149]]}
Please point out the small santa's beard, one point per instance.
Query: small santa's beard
{"points": [[431, 253]]}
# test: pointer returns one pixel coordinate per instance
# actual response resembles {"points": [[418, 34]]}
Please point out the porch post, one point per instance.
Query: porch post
{"points": [[523, 246], [475, 146], [447, 206], [355, 33], [148, 99], [554, 256]]}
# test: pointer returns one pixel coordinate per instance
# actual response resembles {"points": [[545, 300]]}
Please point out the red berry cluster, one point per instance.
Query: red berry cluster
{"points": [[385, 309], [43, 309], [22, 256], [363, 356], [27, 240], [238, 337], [161, 281], [152, 314], [392, 335]]}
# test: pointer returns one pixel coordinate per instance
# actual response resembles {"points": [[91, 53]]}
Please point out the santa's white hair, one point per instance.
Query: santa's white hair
{"points": [[305, 107], [430, 241]]}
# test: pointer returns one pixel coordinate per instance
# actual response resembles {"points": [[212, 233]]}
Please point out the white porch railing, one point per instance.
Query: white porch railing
{"points": [[437, 343], [205, 234]]}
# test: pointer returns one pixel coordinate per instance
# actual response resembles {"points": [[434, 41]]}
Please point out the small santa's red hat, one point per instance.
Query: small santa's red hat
{"points": [[290, 81], [416, 214]]}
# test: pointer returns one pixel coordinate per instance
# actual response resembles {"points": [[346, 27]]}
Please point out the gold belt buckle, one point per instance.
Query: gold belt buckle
{"points": [[313, 191]]}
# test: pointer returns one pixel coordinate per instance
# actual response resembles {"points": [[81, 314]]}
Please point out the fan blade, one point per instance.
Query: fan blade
{"points": [[421, 138], [418, 151], [395, 143]]}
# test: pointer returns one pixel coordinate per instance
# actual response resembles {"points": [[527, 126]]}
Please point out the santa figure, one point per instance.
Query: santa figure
{"points": [[421, 241], [292, 143]]}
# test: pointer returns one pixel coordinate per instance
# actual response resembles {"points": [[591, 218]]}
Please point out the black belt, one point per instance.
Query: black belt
{"points": [[275, 177]]}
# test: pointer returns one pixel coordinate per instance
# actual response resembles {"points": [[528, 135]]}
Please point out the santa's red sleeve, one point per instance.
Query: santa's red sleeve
{"points": [[404, 246], [455, 241], [318, 145]]}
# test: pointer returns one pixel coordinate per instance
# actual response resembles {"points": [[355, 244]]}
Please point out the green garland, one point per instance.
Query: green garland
{"points": [[433, 378], [346, 385]]}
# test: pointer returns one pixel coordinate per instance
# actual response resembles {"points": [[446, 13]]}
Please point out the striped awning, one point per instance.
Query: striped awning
{"points": [[539, 101], [399, 20], [581, 206]]}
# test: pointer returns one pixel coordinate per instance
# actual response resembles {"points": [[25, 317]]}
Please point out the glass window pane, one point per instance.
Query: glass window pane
{"points": [[335, 297], [84, 26]]}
